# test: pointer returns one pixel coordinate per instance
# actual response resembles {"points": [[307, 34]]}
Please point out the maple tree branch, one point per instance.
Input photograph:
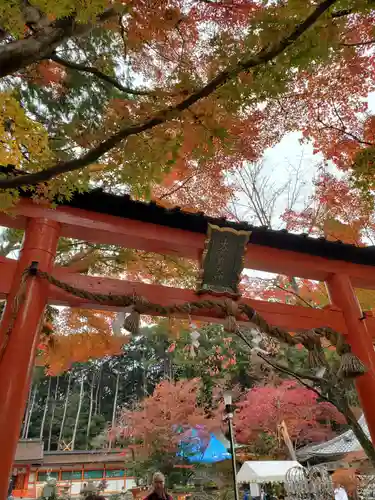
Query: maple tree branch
{"points": [[358, 44], [220, 4], [345, 132], [293, 293], [99, 74], [18, 54], [265, 55], [342, 13], [177, 188], [298, 376], [275, 365]]}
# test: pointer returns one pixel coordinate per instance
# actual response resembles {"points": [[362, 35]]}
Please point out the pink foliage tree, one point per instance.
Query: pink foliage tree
{"points": [[163, 419], [263, 409]]}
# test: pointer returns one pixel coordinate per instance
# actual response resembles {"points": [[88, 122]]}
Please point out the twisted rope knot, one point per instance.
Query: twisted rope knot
{"points": [[311, 340], [141, 304], [230, 310]]}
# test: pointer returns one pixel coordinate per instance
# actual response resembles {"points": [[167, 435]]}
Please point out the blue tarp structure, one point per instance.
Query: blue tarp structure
{"points": [[197, 450]]}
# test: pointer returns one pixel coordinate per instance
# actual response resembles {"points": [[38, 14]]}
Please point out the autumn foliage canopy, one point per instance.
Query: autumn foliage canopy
{"points": [[167, 97], [77, 336]]}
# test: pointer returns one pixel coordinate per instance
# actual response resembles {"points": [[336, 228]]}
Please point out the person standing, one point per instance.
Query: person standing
{"points": [[340, 493], [158, 488]]}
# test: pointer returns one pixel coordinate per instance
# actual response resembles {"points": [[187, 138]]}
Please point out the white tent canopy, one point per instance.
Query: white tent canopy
{"points": [[271, 471]]}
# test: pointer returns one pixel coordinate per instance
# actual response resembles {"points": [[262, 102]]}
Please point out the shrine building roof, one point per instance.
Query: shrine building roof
{"points": [[123, 206], [339, 445]]}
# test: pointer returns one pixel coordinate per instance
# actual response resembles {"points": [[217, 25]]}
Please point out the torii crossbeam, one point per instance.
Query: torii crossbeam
{"points": [[103, 218]]}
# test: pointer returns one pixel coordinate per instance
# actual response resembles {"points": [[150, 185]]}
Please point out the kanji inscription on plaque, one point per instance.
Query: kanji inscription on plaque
{"points": [[223, 261]]}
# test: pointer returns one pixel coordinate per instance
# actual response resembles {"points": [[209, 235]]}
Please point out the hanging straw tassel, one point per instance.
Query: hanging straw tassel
{"points": [[315, 359], [350, 366], [311, 341], [230, 322], [132, 322]]}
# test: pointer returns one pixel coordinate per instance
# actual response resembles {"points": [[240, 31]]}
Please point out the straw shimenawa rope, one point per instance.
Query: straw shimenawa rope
{"points": [[350, 366]]}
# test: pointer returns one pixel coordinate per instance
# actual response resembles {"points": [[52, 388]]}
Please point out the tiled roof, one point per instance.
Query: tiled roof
{"points": [[29, 451], [123, 206], [103, 202], [85, 456], [340, 445]]}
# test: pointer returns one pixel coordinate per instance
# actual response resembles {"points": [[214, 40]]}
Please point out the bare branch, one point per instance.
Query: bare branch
{"points": [[98, 74], [262, 57]]}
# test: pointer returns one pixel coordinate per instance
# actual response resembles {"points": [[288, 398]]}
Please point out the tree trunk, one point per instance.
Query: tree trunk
{"points": [[359, 433], [65, 408], [100, 396], [90, 410], [97, 391], [78, 413], [19, 54], [114, 407], [53, 414], [31, 410], [26, 418], [45, 410], [144, 377]]}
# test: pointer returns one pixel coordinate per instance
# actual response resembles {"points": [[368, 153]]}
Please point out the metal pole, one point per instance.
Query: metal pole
{"points": [[233, 453]]}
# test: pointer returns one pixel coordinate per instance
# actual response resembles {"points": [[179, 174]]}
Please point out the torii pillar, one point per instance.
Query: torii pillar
{"points": [[342, 295], [17, 350]]}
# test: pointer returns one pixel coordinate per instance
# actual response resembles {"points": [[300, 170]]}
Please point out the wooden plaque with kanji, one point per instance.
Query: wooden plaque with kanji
{"points": [[223, 261]]}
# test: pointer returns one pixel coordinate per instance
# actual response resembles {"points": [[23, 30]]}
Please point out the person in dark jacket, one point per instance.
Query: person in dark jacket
{"points": [[158, 488], [12, 483]]}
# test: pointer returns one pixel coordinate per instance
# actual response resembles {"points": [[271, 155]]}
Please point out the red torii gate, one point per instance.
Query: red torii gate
{"points": [[103, 218]]}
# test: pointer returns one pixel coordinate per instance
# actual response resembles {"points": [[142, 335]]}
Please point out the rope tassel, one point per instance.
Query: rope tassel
{"points": [[230, 324], [351, 366], [132, 322], [231, 310], [315, 359]]}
